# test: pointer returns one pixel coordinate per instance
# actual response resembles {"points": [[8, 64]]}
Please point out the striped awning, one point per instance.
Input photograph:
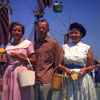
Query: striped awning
{"points": [[4, 25]]}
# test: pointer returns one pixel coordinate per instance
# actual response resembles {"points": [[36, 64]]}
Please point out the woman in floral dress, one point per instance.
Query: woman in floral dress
{"points": [[77, 58], [17, 53]]}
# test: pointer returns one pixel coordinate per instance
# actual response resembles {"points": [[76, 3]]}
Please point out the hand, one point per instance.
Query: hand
{"points": [[82, 72], [14, 55], [68, 71], [20, 57]]}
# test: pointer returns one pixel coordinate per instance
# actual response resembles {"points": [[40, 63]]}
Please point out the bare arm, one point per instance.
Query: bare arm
{"points": [[61, 67], [65, 69], [90, 62], [23, 59]]}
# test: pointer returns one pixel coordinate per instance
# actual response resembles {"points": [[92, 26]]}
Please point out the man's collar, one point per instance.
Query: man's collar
{"points": [[46, 39]]}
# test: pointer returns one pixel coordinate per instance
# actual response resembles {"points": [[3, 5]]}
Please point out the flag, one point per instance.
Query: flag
{"points": [[4, 25], [49, 3], [43, 3]]}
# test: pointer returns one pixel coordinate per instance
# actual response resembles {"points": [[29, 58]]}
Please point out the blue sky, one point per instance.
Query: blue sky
{"points": [[86, 12]]}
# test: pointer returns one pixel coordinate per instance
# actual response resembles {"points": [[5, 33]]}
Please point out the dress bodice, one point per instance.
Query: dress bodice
{"points": [[75, 53], [21, 49]]}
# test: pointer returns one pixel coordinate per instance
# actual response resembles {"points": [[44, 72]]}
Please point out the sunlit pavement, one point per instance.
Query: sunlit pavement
{"points": [[97, 91]]}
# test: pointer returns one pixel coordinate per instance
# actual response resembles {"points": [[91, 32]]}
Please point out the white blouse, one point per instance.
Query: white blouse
{"points": [[75, 53], [23, 44]]}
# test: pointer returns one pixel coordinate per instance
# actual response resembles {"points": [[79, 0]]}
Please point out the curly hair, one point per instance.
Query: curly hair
{"points": [[79, 27], [16, 24]]}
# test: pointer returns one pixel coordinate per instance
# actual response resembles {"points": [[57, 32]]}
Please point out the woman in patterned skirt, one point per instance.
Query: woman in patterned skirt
{"points": [[77, 58]]}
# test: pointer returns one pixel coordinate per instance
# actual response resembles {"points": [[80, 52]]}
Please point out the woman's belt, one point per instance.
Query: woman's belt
{"points": [[73, 66]]}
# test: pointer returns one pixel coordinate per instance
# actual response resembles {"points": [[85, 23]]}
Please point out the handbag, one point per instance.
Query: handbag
{"points": [[57, 81], [27, 78]]}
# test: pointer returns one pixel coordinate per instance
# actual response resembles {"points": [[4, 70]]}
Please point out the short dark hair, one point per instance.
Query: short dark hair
{"points": [[79, 27], [44, 20], [16, 24]]}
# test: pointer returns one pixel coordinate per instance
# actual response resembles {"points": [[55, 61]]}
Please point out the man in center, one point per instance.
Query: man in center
{"points": [[47, 53]]}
